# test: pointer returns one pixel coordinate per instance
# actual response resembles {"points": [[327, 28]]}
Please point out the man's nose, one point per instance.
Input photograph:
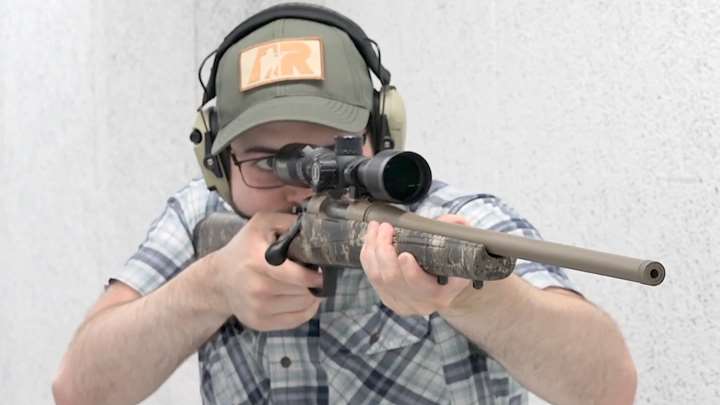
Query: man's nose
{"points": [[296, 195]]}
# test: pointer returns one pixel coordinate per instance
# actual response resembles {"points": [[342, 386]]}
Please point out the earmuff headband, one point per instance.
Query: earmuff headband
{"points": [[301, 11]]}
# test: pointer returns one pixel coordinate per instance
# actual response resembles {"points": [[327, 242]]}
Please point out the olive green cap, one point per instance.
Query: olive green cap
{"points": [[292, 70]]}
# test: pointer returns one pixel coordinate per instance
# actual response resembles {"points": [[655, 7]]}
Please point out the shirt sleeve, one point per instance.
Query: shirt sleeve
{"points": [[167, 249]]}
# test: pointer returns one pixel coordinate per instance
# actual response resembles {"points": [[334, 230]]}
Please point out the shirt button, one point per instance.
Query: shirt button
{"points": [[374, 338], [285, 362]]}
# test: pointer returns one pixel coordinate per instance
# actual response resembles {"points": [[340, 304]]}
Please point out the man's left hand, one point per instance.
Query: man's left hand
{"points": [[398, 279]]}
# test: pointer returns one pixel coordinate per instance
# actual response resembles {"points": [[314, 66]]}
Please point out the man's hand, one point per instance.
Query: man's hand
{"points": [[402, 285], [264, 297]]}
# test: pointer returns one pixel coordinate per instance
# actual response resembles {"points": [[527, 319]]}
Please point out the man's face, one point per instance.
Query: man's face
{"points": [[266, 140]]}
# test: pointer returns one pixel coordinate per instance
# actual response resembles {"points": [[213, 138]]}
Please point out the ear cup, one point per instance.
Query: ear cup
{"points": [[212, 167], [387, 120], [393, 109]]}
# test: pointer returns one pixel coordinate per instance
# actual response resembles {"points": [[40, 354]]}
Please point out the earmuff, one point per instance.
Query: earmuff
{"points": [[214, 168], [387, 118]]}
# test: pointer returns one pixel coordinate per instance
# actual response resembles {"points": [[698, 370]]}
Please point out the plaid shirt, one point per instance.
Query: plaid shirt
{"points": [[355, 350]]}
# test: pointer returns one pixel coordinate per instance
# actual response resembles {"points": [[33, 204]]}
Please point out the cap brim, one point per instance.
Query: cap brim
{"points": [[317, 110]]}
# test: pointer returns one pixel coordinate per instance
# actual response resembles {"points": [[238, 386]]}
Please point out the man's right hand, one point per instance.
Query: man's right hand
{"points": [[262, 296]]}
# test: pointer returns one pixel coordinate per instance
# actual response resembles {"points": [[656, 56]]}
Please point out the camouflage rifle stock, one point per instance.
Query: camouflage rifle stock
{"points": [[330, 234]]}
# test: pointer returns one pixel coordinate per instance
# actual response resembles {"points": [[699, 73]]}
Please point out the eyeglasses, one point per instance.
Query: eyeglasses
{"points": [[258, 172]]}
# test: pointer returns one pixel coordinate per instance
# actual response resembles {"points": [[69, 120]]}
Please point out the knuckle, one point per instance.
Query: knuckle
{"points": [[374, 275], [391, 274], [259, 291], [390, 277], [383, 251], [388, 253]]}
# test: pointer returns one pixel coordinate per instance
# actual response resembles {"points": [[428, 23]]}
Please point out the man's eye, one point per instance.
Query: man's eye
{"points": [[265, 164]]}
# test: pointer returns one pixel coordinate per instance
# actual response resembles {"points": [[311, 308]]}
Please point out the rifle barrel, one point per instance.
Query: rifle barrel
{"points": [[647, 272]]}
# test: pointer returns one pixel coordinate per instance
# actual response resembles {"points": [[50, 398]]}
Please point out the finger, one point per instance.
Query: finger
{"points": [[291, 320], [262, 288], [414, 276], [370, 261], [427, 283], [271, 287], [453, 219], [436, 297], [387, 255], [371, 234], [368, 258], [282, 304], [295, 274]]}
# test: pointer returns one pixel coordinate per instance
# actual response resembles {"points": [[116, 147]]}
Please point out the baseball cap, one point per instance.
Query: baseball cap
{"points": [[292, 70]]}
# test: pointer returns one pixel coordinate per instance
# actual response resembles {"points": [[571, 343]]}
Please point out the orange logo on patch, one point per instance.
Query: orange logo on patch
{"points": [[281, 60]]}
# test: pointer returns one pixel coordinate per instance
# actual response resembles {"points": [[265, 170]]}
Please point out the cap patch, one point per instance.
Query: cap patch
{"points": [[281, 60]]}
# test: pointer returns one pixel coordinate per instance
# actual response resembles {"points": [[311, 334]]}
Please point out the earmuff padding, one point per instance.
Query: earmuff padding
{"points": [[220, 183], [387, 119], [394, 111]]}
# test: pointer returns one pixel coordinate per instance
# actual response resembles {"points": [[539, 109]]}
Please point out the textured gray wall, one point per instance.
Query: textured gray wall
{"points": [[598, 120]]}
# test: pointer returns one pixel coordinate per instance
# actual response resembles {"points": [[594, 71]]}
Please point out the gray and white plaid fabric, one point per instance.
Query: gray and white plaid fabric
{"points": [[355, 350]]}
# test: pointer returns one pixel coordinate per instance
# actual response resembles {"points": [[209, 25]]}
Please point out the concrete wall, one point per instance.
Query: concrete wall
{"points": [[598, 120]]}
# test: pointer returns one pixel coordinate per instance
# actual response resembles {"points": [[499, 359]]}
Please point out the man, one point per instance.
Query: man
{"points": [[389, 334]]}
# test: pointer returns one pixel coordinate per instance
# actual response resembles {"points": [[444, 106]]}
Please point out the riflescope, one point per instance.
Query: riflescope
{"points": [[394, 176]]}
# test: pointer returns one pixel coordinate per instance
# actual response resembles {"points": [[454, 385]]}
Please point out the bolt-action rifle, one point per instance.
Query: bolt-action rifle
{"points": [[352, 190]]}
